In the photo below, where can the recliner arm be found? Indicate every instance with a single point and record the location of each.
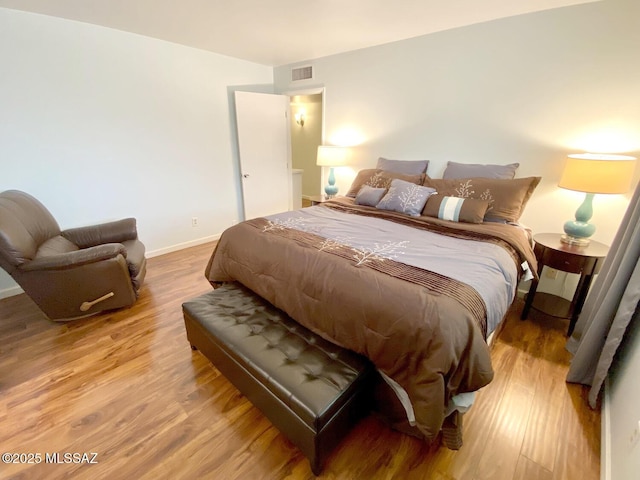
(111, 232)
(76, 258)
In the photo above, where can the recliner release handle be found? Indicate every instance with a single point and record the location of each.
(87, 305)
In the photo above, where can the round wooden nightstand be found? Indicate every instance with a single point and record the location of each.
(586, 261)
(318, 199)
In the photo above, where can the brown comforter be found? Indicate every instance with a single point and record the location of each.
(426, 336)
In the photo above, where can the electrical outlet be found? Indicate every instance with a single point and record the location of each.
(551, 273)
(194, 221)
(635, 436)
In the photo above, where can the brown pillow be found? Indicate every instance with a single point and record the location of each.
(374, 177)
(507, 197)
(456, 209)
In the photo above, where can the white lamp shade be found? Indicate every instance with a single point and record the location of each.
(331, 156)
(598, 173)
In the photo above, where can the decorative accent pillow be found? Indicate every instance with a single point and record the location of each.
(507, 198)
(405, 197)
(456, 209)
(470, 170)
(379, 179)
(406, 167)
(370, 196)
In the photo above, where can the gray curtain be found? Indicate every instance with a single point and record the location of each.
(610, 307)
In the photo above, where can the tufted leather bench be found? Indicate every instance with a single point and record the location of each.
(312, 390)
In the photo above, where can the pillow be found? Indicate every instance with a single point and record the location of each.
(379, 179)
(456, 209)
(370, 195)
(469, 170)
(507, 198)
(405, 197)
(407, 167)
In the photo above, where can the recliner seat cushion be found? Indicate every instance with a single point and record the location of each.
(56, 246)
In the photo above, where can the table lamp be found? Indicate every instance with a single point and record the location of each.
(331, 156)
(593, 173)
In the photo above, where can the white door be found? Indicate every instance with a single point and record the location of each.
(263, 144)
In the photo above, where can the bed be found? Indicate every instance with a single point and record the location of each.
(416, 294)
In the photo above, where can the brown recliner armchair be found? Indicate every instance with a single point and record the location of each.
(71, 273)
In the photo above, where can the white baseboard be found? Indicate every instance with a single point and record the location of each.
(180, 246)
(16, 290)
(605, 435)
(10, 292)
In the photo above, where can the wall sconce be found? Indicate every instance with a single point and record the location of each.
(300, 118)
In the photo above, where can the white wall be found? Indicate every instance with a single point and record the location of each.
(527, 89)
(100, 124)
(624, 408)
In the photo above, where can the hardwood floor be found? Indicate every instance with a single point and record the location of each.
(126, 386)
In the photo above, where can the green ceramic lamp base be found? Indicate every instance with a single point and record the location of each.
(331, 190)
(578, 231)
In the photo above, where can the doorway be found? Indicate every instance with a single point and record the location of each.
(306, 120)
(263, 152)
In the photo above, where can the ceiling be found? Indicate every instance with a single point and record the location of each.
(279, 32)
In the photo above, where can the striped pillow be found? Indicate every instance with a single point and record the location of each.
(456, 209)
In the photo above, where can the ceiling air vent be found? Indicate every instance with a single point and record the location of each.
(302, 73)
